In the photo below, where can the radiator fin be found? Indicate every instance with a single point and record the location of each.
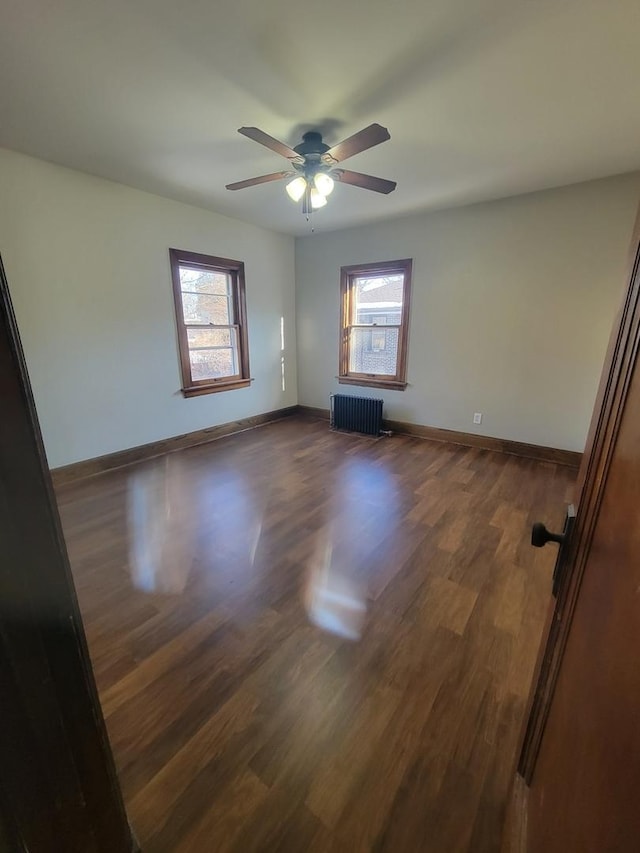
(358, 414)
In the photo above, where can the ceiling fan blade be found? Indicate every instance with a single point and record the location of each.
(263, 179)
(264, 139)
(366, 138)
(365, 182)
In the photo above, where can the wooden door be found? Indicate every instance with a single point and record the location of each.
(58, 786)
(581, 754)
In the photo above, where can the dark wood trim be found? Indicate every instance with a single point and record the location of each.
(570, 458)
(603, 433)
(59, 784)
(399, 381)
(514, 835)
(484, 442)
(191, 387)
(614, 364)
(389, 384)
(99, 464)
(315, 412)
(198, 390)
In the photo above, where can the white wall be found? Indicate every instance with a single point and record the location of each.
(88, 269)
(512, 306)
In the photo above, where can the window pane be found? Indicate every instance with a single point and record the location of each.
(204, 281)
(374, 351)
(199, 338)
(202, 308)
(212, 363)
(378, 339)
(376, 297)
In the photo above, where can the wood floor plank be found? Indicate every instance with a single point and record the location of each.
(450, 604)
(328, 643)
(226, 817)
(172, 654)
(335, 776)
(510, 611)
(183, 790)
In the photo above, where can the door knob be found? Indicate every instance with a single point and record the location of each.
(540, 535)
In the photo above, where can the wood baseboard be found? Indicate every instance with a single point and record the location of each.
(569, 458)
(313, 412)
(514, 832)
(135, 845)
(90, 467)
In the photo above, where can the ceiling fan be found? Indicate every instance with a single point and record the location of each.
(313, 165)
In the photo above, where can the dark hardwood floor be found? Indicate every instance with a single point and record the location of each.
(237, 723)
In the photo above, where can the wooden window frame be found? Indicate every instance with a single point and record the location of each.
(348, 274)
(191, 387)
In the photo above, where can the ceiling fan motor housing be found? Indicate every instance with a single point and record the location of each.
(312, 146)
(312, 149)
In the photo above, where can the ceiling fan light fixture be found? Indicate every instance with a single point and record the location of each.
(323, 183)
(311, 173)
(296, 188)
(317, 199)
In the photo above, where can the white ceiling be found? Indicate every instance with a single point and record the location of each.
(483, 98)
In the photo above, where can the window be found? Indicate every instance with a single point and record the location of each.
(375, 324)
(211, 314)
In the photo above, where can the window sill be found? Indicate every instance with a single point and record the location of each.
(391, 384)
(198, 390)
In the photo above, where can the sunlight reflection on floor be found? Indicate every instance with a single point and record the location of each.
(175, 517)
(334, 601)
(161, 526)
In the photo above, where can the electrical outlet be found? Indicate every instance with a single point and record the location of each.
(477, 417)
